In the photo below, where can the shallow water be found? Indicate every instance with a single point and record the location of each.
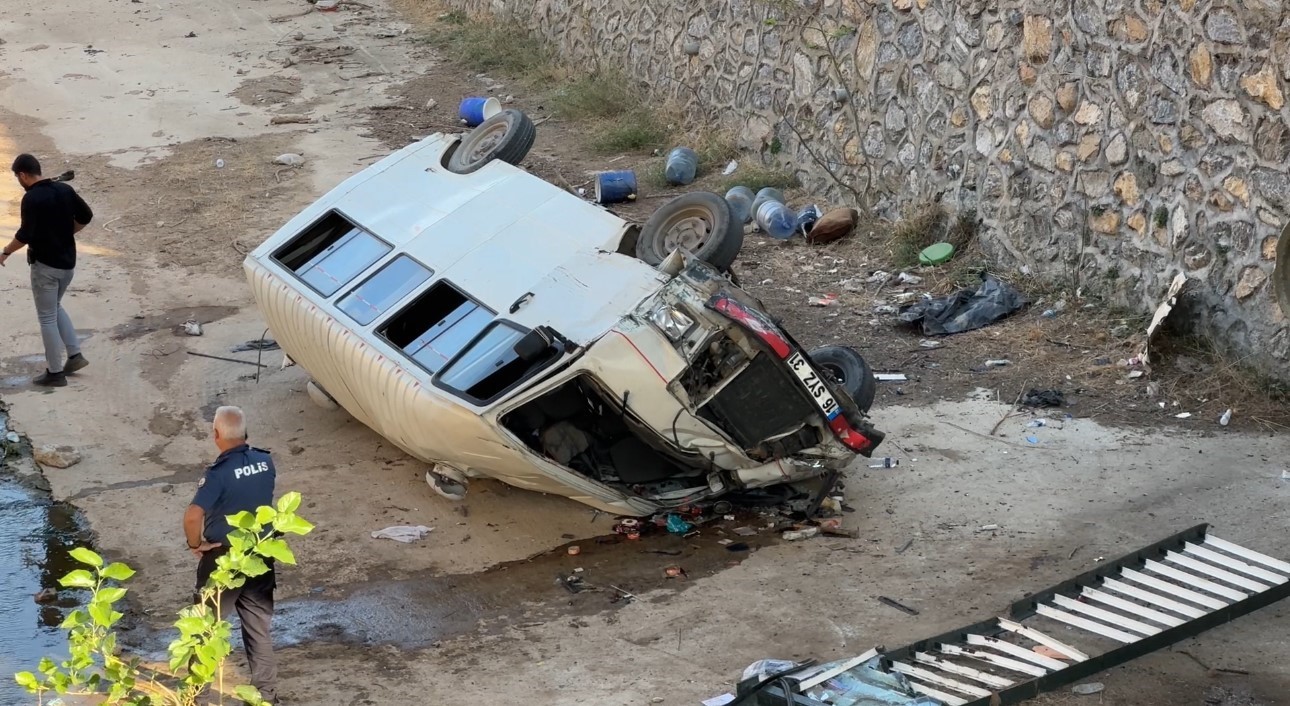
(35, 536)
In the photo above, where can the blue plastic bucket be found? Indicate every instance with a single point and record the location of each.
(616, 187)
(476, 109)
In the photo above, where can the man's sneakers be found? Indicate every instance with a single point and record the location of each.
(48, 379)
(74, 363)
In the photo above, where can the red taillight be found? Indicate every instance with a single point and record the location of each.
(853, 439)
(753, 321)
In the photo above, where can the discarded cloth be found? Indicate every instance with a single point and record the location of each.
(965, 309)
(403, 533)
(1043, 398)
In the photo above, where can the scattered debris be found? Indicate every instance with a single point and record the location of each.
(906, 546)
(290, 120)
(890, 377)
(190, 35)
(1135, 374)
(795, 535)
(46, 595)
(930, 344)
(403, 533)
(966, 309)
(832, 527)
(886, 462)
(834, 225)
(906, 278)
(1226, 418)
(998, 363)
(234, 360)
(193, 327)
(289, 159)
(748, 531)
(674, 572)
(936, 254)
(1036, 423)
(1183, 415)
(730, 168)
(1049, 652)
(988, 528)
(826, 300)
(897, 605)
(56, 456)
(677, 524)
(575, 550)
(573, 583)
(257, 344)
(1044, 398)
(621, 595)
(1088, 689)
(1162, 312)
(629, 527)
(1032, 439)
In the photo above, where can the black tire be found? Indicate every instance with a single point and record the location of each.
(700, 222)
(507, 136)
(847, 368)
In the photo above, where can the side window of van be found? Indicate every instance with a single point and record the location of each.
(436, 326)
(490, 365)
(384, 289)
(331, 253)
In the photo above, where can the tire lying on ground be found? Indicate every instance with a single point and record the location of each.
(848, 368)
(507, 136)
(700, 222)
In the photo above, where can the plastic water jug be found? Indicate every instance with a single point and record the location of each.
(740, 199)
(777, 220)
(682, 166)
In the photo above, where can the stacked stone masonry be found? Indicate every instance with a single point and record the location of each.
(1112, 143)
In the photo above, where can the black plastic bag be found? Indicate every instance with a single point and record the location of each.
(965, 309)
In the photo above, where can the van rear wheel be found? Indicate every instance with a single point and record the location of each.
(507, 136)
(847, 368)
(699, 222)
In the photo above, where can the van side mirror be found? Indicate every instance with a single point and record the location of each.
(535, 344)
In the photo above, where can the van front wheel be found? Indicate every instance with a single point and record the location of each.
(700, 222)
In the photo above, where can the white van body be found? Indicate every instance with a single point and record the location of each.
(405, 291)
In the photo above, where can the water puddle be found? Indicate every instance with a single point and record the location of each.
(428, 608)
(35, 535)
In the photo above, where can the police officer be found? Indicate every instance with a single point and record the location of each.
(242, 478)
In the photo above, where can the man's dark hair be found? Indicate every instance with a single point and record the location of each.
(26, 164)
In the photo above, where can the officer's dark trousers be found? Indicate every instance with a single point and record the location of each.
(254, 605)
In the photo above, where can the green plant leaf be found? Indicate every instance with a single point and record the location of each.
(61, 682)
(264, 515)
(85, 556)
(289, 503)
(190, 626)
(117, 571)
(243, 520)
(74, 619)
(47, 666)
(103, 614)
(31, 682)
(293, 524)
(79, 578)
(112, 594)
(276, 549)
(254, 566)
(249, 695)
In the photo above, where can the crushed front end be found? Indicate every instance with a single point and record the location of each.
(749, 379)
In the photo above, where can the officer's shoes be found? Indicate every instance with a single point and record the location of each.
(74, 363)
(48, 379)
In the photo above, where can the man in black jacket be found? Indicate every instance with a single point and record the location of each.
(52, 214)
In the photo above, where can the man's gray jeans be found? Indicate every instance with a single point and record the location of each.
(48, 284)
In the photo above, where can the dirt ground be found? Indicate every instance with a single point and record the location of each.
(173, 139)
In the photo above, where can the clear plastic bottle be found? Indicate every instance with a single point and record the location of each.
(682, 166)
(777, 220)
(741, 199)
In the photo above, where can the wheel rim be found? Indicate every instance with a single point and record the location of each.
(835, 373)
(487, 142)
(688, 228)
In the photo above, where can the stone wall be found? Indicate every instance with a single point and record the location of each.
(1112, 143)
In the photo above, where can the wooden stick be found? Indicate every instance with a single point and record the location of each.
(1011, 410)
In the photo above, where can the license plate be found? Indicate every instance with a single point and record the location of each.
(814, 385)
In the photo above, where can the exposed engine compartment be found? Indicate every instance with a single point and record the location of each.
(579, 426)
